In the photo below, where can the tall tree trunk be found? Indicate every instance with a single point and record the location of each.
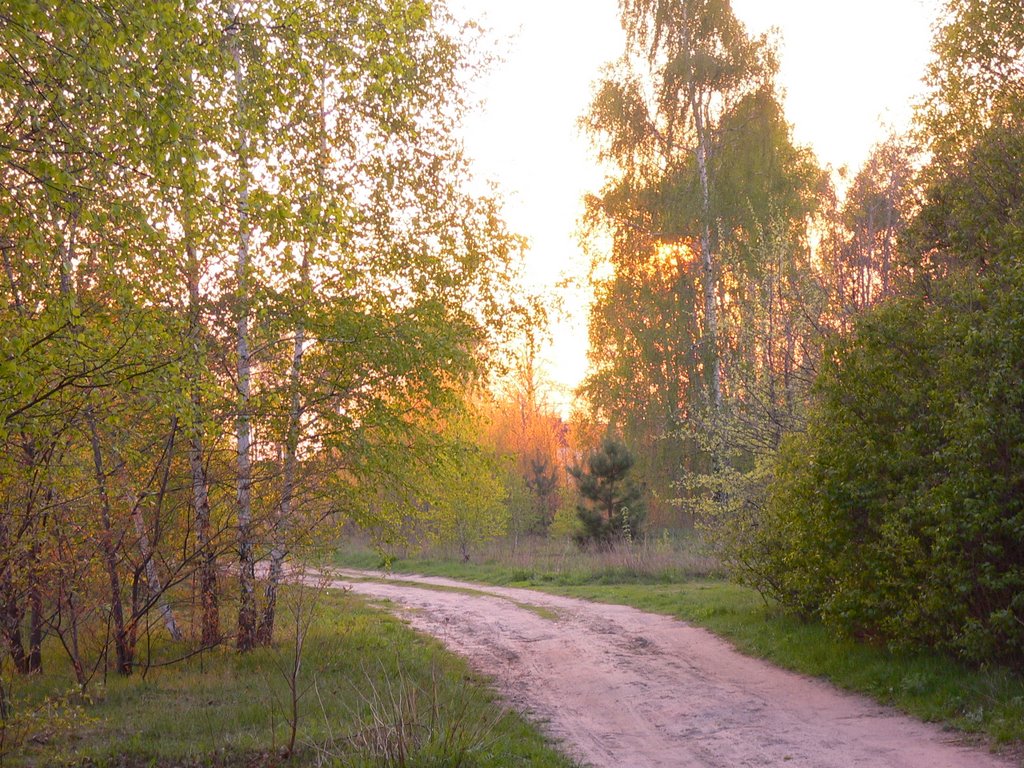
(154, 589)
(770, 364)
(788, 372)
(709, 343)
(208, 595)
(32, 528)
(35, 618)
(67, 256)
(709, 340)
(279, 551)
(887, 238)
(66, 606)
(868, 271)
(209, 631)
(11, 613)
(122, 646)
(246, 638)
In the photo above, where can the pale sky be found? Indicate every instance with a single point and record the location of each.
(849, 71)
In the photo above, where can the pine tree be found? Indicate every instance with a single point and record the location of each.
(612, 507)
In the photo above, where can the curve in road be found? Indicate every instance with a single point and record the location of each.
(620, 687)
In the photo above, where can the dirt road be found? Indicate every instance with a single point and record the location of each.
(622, 688)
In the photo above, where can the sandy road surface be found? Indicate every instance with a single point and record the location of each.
(626, 689)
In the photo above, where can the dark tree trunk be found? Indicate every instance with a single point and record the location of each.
(122, 641)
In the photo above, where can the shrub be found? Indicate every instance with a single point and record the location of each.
(899, 514)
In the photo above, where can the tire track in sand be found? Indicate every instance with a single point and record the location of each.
(620, 687)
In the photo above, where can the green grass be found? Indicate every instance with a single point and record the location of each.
(661, 559)
(988, 702)
(368, 679)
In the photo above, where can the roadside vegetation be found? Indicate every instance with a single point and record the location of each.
(368, 692)
(237, 309)
(826, 374)
(663, 558)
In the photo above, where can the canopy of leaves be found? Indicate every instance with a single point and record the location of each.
(144, 146)
(977, 72)
(706, 281)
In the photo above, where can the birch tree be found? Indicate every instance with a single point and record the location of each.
(696, 333)
(702, 62)
(278, 185)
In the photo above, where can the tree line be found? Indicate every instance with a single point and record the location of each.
(246, 292)
(823, 371)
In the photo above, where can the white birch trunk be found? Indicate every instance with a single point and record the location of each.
(243, 427)
(293, 433)
(709, 342)
(283, 523)
(710, 281)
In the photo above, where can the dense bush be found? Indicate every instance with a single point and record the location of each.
(899, 514)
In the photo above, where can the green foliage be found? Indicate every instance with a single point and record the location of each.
(448, 489)
(707, 197)
(215, 219)
(542, 480)
(520, 501)
(468, 497)
(899, 514)
(974, 73)
(612, 507)
(532, 500)
(566, 523)
(522, 426)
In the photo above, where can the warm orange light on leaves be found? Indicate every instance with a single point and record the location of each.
(670, 256)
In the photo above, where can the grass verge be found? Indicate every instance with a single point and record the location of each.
(372, 693)
(988, 702)
(657, 560)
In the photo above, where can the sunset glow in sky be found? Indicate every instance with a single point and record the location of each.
(849, 73)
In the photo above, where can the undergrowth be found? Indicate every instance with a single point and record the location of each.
(663, 558)
(370, 694)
